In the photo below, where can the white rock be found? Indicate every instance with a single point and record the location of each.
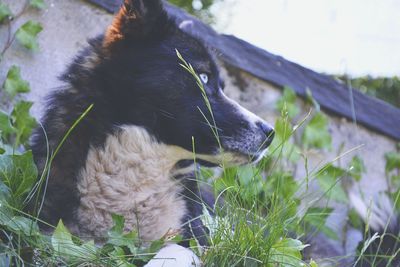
(174, 255)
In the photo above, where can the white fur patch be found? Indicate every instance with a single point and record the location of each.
(130, 175)
(245, 113)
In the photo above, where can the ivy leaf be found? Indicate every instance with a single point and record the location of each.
(281, 142)
(22, 121)
(27, 35)
(39, 4)
(117, 237)
(287, 103)
(316, 133)
(5, 12)
(282, 184)
(6, 128)
(5, 193)
(14, 83)
(357, 168)
(19, 224)
(392, 161)
(286, 252)
(250, 180)
(118, 229)
(328, 179)
(18, 173)
(64, 246)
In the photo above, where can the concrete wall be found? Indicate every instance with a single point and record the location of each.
(260, 97)
(348, 139)
(67, 24)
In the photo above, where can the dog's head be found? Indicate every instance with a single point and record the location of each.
(147, 85)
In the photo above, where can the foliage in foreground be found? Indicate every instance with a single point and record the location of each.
(199, 8)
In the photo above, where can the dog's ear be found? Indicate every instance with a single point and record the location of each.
(135, 20)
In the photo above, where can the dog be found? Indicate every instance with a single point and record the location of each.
(135, 152)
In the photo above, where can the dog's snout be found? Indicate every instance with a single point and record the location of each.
(268, 131)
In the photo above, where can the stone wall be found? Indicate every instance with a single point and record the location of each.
(66, 27)
(260, 97)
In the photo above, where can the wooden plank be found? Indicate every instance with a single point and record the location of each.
(330, 94)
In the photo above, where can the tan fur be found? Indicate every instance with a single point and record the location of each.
(131, 175)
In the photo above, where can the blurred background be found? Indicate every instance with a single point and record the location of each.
(357, 41)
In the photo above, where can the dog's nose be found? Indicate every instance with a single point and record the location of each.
(268, 131)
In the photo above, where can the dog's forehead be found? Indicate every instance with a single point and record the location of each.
(193, 48)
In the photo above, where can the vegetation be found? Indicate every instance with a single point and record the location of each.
(263, 220)
(385, 88)
(199, 8)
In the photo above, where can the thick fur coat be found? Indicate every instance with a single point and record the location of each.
(133, 153)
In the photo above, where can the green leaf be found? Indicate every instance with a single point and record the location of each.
(156, 245)
(5, 12)
(27, 35)
(282, 184)
(39, 4)
(250, 180)
(22, 122)
(121, 260)
(118, 227)
(287, 252)
(283, 130)
(355, 219)
(316, 133)
(392, 161)
(5, 211)
(6, 128)
(5, 193)
(313, 263)
(23, 225)
(117, 237)
(64, 246)
(311, 100)
(18, 173)
(329, 180)
(14, 83)
(287, 103)
(357, 168)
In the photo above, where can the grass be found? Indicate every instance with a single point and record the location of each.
(262, 220)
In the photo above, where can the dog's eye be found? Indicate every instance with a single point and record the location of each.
(204, 77)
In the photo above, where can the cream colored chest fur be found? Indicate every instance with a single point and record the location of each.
(131, 175)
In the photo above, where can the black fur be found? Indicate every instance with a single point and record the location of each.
(132, 76)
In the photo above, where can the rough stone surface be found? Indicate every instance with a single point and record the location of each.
(67, 26)
(348, 140)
